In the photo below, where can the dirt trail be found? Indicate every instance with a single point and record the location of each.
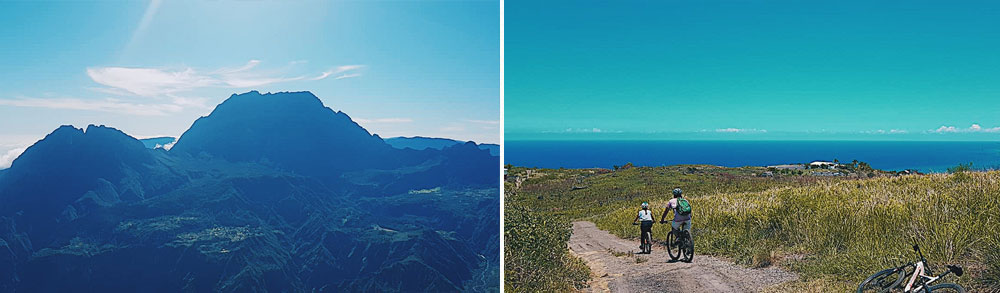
(622, 273)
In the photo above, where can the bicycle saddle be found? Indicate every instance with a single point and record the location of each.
(957, 270)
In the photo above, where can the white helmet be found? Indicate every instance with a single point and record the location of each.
(645, 205)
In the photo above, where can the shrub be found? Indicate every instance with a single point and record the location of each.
(961, 168)
(535, 256)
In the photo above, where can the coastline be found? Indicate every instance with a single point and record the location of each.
(923, 156)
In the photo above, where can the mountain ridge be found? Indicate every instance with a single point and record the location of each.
(423, 142)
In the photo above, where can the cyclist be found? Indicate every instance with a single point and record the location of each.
(682, 212)
(646, 216)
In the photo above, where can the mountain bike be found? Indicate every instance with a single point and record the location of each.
(645, 242)
(891, 280)
(680, 245)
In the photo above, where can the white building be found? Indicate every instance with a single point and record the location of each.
(823, 164)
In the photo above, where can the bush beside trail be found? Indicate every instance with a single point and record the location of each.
(536, 258)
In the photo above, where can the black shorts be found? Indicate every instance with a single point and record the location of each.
(646, 226)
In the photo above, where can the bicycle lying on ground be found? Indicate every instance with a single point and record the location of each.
(680, 245)
(645, 242)
(891, 280)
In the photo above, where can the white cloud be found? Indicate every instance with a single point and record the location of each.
(250, 65)
(883, 131)
(187, 102)
(944, 129)
(160, 91)
(974, 128)
(340, 69)
(166, 146)
(348, 68)
(106, 105)
(384, 120)
(150, 81)
(323, 75)
(7, 158)
(343, 76)
(582, 130)
(153, 82)
(740, 130)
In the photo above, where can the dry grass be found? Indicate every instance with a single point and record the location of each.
(851, 229)
(834, 232)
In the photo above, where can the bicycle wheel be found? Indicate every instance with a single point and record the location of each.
(947, 287)
(673, 249)
(883, 281)
(649, 243)
(688, 247)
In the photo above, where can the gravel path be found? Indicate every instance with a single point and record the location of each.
(622, 273)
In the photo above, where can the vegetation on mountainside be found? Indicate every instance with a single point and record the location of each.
(833, 231)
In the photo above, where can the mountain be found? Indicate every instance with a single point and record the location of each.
(422, 143)
(290, 130)
(96, 166)
(270, 192)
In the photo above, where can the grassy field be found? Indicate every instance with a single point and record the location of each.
(833, 231)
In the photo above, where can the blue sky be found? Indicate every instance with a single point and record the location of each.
(854, 70)
(399, 68)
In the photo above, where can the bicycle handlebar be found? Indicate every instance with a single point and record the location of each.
(921, 254)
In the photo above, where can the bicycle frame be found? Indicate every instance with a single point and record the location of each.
(919, 272)
(679, 230)
(643, 239)
(680, 233)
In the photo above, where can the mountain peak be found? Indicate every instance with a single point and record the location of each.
(68, 144)
(303, 99)
(66, 130)
(291, 129)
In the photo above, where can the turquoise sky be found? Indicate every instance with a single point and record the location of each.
(864, 70)
(151, 68)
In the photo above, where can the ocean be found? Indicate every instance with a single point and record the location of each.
(925, 156)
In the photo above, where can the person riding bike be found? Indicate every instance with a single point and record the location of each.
(646, 216)
(682, 212)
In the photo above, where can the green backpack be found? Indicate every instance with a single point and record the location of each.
(683, 207)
